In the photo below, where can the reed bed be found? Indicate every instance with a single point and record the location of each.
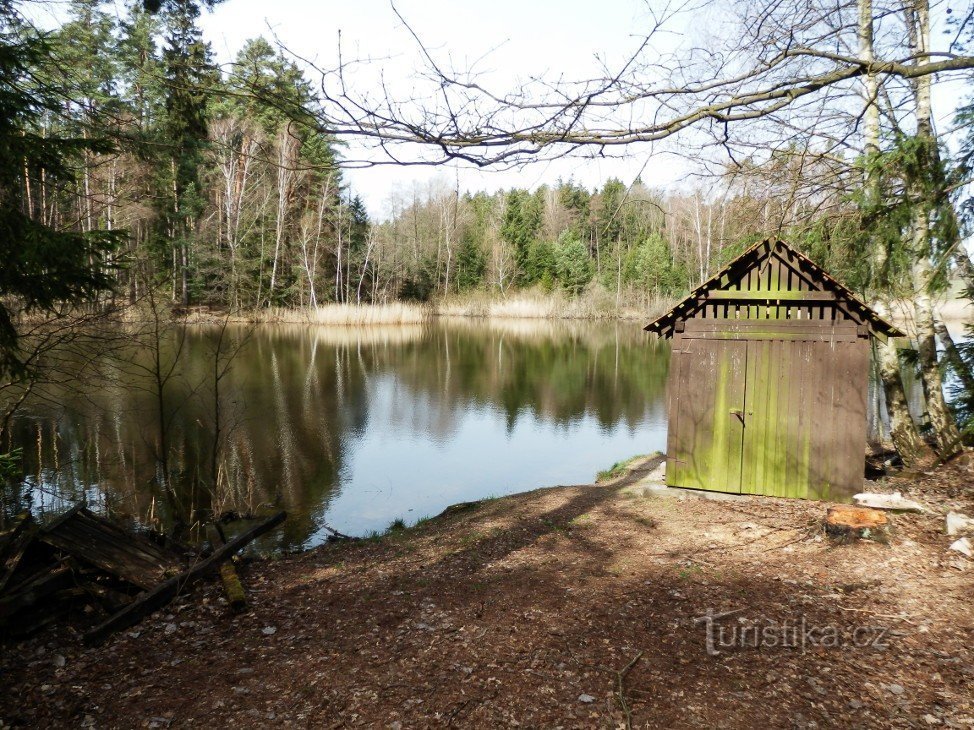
(349, 315)
(592, 304)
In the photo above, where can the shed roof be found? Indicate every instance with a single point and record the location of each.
(753, 258)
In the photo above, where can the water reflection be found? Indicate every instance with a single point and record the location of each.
(356, 427)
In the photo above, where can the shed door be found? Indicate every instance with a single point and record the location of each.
(782, 403)
(805, 417)
(705, 445)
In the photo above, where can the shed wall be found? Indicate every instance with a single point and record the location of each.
(768, 407)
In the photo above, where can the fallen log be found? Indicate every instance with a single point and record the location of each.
(162, 594)
(228, 574)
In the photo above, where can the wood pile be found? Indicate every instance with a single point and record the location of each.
(83, 564)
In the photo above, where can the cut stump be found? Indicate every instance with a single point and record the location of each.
(846, 521)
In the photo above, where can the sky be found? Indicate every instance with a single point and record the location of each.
(508, 41)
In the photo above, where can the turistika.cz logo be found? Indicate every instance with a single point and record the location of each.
(797, 634)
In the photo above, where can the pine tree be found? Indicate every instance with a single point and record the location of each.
(43, 267)
(189, 79)
(572, 264)
(522, 221)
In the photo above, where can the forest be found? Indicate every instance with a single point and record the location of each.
(230, 194)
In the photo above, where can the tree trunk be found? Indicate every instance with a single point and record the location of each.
(913, 450)
(945, 428)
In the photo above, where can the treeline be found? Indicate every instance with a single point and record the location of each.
(634, 242)
(224, 191)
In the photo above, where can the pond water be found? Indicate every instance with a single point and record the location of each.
(350, 427)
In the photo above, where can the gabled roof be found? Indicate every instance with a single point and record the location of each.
(816, 278)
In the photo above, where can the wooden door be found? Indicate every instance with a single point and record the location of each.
(783, 401)
(705, 443)
(804, 432)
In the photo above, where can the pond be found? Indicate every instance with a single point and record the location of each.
(349, 427)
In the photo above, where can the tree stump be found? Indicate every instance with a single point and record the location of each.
(847, 522)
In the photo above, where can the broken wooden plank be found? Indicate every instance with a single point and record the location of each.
(228, 574)
(32, 590)
(64, 516)
(15, 548)
(167, 591)
(8, 537)
(101, 543)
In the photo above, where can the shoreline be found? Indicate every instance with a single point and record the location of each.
(956, 314)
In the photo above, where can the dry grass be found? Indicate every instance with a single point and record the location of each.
(594, 303)
(348, 315)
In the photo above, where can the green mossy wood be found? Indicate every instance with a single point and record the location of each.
(768, 379)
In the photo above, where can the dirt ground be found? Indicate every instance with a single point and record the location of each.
(563, 607)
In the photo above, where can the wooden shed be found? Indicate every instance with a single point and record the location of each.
(768, 379)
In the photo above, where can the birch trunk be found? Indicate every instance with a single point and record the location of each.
(913, 450)
(945, 429)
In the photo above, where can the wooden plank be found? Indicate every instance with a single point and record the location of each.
(97, 541)
(65, 516)
(850, 393)
(822, 435)
(34, 589)
(705, 451)
(764, 295)
(687, 403)
(779, 480)
(805, 421)
(785, 435)
(791, 442)
(138, 545)
(15, 544)
(162, 594)
(757, 414)
(674, 443)
(728, 432)
(773, 335)
(760, 325)
(107, 553)
(10, 536)
(776, 286)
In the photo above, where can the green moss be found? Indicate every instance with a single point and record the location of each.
(619, 469)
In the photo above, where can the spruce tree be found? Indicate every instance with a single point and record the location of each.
(189, 78)
(44, 266)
